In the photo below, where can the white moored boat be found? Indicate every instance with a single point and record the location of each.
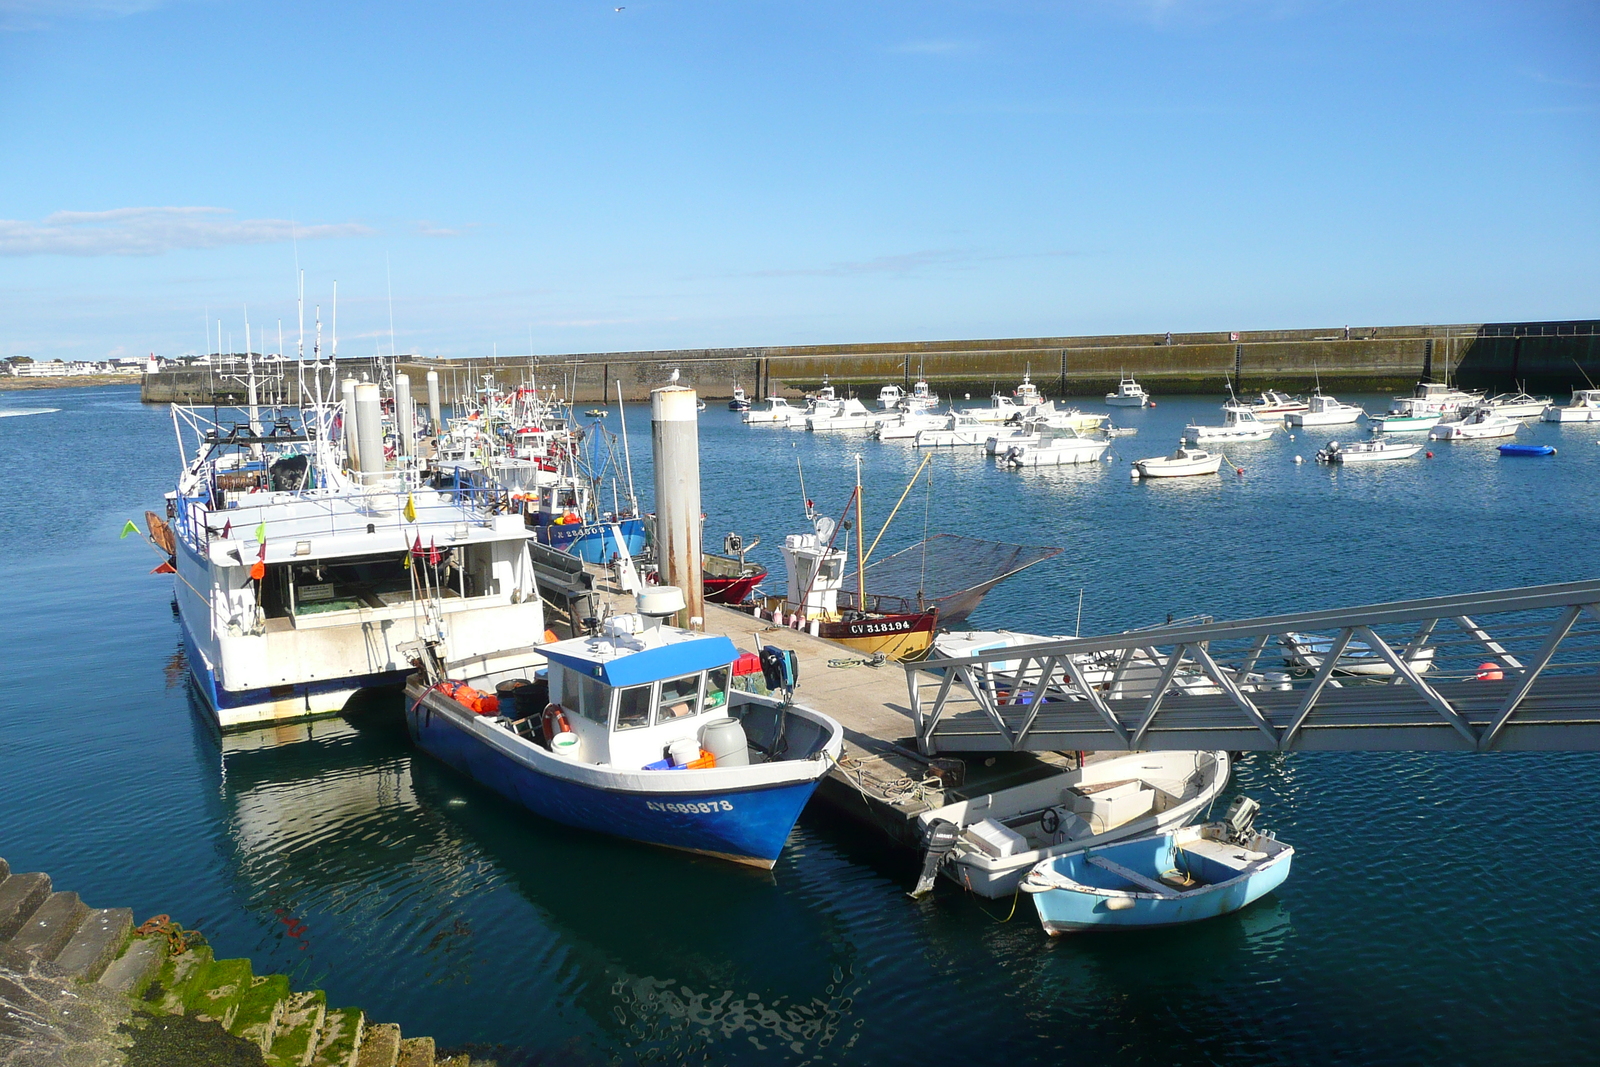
(889, 398)
(1583, 407)
(963, 430)
(908, 424)
(1518, 405)
(1427, 405)
(1310, 651)
(1057, 451)
(1479, 423)
(778, 412)
(1325, 411)
(1239, 424)
(998, 837)
(1005, 439)
(1275, 403)
(1375, 451)
(1182, 463)
(849, 414)
(1128, 394)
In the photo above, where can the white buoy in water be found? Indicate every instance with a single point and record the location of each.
(1299, 459)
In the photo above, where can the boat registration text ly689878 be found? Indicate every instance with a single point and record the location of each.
(703, 808)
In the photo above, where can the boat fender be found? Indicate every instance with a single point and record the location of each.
(553, 722)
(1119, 903)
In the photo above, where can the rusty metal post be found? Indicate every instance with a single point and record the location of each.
(675, 436)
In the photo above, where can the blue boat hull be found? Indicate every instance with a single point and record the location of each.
(746, 826)
(1064, 911)
(1527, 450)
(593, 542)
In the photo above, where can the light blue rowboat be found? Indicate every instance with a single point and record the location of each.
(1165, 879)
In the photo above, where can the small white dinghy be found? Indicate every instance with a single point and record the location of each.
(1182, 463)
(1374, 451)
(1310, 651)
(1166, 879)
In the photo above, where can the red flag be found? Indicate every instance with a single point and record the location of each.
(416, 547)
(227, 528)
(262, 555)
(434, 555)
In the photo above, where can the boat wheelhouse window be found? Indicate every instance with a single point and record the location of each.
(587, 696)
(633, 707)
(716, 688)
(678, 698)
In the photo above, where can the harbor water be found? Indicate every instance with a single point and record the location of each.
(1440, 908)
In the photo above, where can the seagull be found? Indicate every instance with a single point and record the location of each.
(619, 9)
(674, 369)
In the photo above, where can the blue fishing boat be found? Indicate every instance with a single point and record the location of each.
(1164, 879)
(1527, 450)
(561, 517)
(636, 732)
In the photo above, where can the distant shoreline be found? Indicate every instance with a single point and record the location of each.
(18, 384)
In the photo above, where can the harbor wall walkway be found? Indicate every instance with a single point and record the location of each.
(1548, 356)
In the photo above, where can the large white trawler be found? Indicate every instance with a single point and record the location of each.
(312, 554)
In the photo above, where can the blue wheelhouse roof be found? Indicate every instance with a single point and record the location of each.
(642, 667)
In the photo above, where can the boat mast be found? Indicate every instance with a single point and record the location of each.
(627, 456)
(861, 556)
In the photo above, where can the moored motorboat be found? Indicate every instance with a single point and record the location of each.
(1475, 424)
(1128, 394)
(1583, 407)
(1182, 463)
(643, 737)
(906, 425)
(1519, 405)
(1239, 424)
(740, 401)
(991, 841)
(1310, 651)
(962, 430)
(1003, 440)
(1428, 403)
(1374, 451)
(1527, 450)
(1274, 403)
(778, 412)
(1164, 879)
(730, 579)
(1325, 411)
(1057, 451)
(850, 414)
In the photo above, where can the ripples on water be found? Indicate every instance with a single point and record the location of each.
(1438, 909)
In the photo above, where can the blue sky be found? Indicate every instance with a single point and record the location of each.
(700, 174)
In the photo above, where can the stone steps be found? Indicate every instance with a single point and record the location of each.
(98, 945)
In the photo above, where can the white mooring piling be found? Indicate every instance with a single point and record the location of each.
(435, 421)
(405, 420)
(352, 446)
(675, 434)
(369, 433)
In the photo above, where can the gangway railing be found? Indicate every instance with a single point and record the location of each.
(1513, 669)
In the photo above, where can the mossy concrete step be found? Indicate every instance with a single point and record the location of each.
(95, 943)
(298, 1030)
(176, 975)
(218, 991)
(49, 928)
(132, 972)
(20, 897)
(416, 1052)
(260, 1010)
(339, 1042)
(380, 1045)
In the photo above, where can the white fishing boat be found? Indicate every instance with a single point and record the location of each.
(1057, 451)
(988, 843)
(889, 398)
(1309, 652)
(1272, 402)
(309, 562)
(1583, 407)
(1474, 424)
(740, 401)
(1519, 405)
(1024, 402)
(908, 424)
(1181, 464)
(1128, 394)
(1239, 424)
(922, 399)
(778, 412)
(1325, 411)
(1164, 879)
(1374, 451)
(849, 414)
(962, 430)
(1427, 405)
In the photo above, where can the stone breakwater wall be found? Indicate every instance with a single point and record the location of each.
(1550, 356)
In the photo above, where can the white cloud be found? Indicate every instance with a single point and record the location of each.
(37, 14)
(150, 231)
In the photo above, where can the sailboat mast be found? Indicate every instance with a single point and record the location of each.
(861, 556)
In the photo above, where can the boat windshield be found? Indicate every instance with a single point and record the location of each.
(678, 698)
(633, 707)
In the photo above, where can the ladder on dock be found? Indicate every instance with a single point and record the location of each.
(1513, 669)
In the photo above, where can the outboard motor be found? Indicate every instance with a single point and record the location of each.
(941, 839)
(1240, 818)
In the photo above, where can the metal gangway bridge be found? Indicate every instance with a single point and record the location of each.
(1515, 669)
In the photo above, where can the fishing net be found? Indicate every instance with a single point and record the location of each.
(948, 571)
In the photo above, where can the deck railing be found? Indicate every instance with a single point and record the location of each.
(1509, 669)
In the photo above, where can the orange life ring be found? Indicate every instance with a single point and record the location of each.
(553, 722)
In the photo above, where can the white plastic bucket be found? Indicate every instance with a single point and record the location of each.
(565, 744)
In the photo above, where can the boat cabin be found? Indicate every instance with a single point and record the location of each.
(889, 397)
(639, 691)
